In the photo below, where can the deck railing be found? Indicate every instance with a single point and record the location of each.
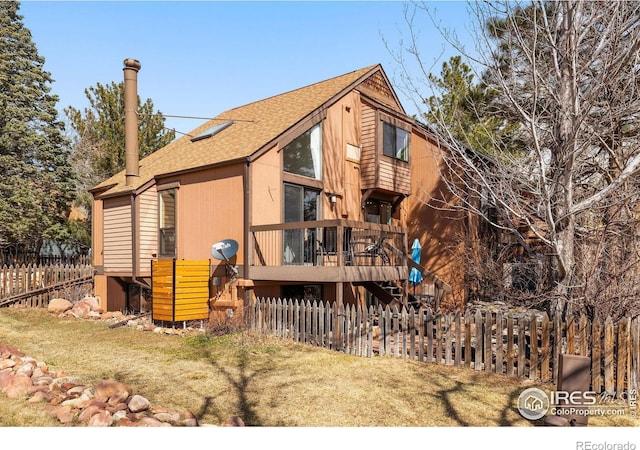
(328, 243)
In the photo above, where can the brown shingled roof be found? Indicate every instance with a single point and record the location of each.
(255, 125)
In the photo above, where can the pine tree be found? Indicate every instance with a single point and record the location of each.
(36, 185)
(99, 138)
(100, 132)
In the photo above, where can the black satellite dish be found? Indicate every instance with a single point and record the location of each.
(224, 250)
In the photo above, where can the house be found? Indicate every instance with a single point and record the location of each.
(317, 193)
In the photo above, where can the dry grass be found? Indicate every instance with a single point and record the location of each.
(266, 381)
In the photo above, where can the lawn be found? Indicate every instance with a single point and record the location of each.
(266, 381)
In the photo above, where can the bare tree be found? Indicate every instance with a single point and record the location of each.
(569, 73)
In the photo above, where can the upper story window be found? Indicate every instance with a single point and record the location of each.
(395, 141)
(303, 155)
(167, 222)
(378, 211)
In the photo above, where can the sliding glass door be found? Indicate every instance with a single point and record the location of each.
(301, 204)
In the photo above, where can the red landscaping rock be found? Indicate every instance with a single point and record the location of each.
(18, 386)
(81, 309)
(6, 363)
(87, 413)
(138, 403)
(59, 305)
(107, 388)
(5, 379)
(233, 421)
(64, 414)
(101, 419)
(109, 403)
(7, 351)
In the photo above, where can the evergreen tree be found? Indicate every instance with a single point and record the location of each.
(100, 130)
(99, 147)
(465, 110)
(99, 140)
(36, 186)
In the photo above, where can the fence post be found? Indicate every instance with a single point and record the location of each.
(383, 324)
(499, 343)
(596, 355)
(362, 329)
(458, 350)
(396, 331)
(623, 355)
(448, 340)
(329, 325)
(557, 343)
(488, 334)
(479, 341)
(421, 329)
(545, 373)
(429, 335)
(635, 356)
(609, 342)
(522, 346)
(370, 321)
(438, 350)
(533, 338)
(404, 324)
(468, 360)
(412, 333)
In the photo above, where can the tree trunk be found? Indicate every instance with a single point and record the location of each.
(562, 165)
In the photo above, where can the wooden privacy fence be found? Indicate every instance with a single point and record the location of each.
(34, 285)
(180, 289)
(524, 345)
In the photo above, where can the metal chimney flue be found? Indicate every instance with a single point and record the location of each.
(131, 68)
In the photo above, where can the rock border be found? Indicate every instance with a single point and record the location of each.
(109, 402)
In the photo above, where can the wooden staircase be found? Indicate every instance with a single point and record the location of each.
(394, 292)
(391, 293)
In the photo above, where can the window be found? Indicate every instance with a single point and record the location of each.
(210, 132)
(167, 222)
(395, 141)
(303, 292)
(378, 211)
(303, 155)
(301, 204)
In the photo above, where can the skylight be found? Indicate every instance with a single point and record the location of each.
(211, 131)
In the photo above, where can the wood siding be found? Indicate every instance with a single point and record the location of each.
(180, 290)
(341, 177)
(368, 159)
(266, 188)
(439, 230)
(210, 208)
(118, 250)
(97, 233)
(147, 230)
(394, 175)
(379, 171)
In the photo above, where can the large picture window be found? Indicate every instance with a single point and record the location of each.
(303, 155)
(167, 222)
(395, 142)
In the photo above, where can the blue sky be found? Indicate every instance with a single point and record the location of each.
(201, 58)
